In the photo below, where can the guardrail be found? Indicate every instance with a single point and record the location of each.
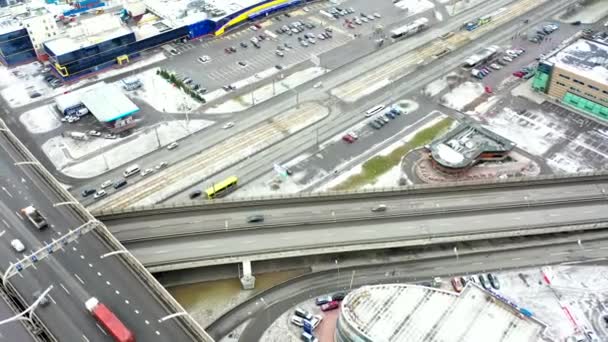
(147, 234)
(190, 325)
(299, 198)
(376, 244)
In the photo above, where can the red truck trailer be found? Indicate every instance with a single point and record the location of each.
(109, 321)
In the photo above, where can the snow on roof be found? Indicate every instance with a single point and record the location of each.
(586, 58)
(68, 100)
(88, 32)
(108, 103)
(400, 312)
(9, 24)
(461, 146)
(185, 12)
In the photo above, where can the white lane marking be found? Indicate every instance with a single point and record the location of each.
(248, 242)
(84, 338)
(77, 277)
(604, 247)
(5, 223)
(51, 298)
(161, 252)
(81, 256)
(117, 292)
(136, 311)
(8, 193)
(554, 215)
(126, 301)
(64, 289)
(157, 332)
(515, 259)
(108, 283)
(147, 322)
(100, 328)
(19, 215)
(91, 265)
(99, 274)
(477, 263)
(560, 253)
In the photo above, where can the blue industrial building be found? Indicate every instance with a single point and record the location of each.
(16, 47)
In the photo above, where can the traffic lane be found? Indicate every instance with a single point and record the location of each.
(13, 331)
(116, 286)
(156, 252)
(65, 316)
(417, 271)
(217, 218)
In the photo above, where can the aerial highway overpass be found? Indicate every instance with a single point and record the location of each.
(170, 238)
(76, 270)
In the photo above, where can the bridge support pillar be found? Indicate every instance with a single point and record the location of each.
(247, 280)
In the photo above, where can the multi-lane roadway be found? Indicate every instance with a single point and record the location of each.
(326, 224)
(77, 272)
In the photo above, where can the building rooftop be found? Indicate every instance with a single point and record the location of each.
(400, 312)
(584, 57)
(108, 103)
(460, 147)
(185, 12)
(88, 32)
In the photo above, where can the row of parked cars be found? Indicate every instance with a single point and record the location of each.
(509, 56)
(542, 32)
(383, 119)
(488, 281)
(325, 303)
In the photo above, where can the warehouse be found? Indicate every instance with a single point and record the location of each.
(577, 76)
(401, 312)
(111, 107)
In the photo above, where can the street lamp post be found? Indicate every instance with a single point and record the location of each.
(27, 314)
(122, 251)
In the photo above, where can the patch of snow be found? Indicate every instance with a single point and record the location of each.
(462, 95)
(457, 7)
(483, 108)
(162, 95)
(435, 87)
(525, 90)
(412, 7)
(438, 16)
(267, 91)
(19, 82)
(563, 163)
(65, 152)
(40, 120)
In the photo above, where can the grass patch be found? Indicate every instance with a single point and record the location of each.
(378, 165)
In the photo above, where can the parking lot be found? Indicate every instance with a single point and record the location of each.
(224, 67)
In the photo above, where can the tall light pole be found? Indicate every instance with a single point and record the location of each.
(26, 315)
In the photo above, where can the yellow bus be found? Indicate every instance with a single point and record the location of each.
(222, 188)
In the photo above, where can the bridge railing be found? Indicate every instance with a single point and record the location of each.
(189, 324)
(312, 197)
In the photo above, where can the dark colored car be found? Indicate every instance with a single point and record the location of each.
(243, 44)
(374, 125)
(463, 281)
(483, 282)
(194, 194)
(338, 296)
(120, 183)
(88, 192)
(494, 281)
(255, 218)
(576, 23)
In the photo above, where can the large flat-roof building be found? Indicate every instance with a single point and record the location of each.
(577, 76)
(466, 145)
(401, 312)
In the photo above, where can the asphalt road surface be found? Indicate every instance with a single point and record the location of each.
(76, 273)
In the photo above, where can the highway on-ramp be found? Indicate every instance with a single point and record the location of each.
(76, 272)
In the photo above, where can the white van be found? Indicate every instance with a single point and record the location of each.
(374, 110)
(131, 170)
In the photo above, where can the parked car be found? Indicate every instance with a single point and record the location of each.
(456, 284)
(330, 306)
(94, 133)
(172, 146)
(299, 312)
(106, 184)
(228, 125)
(494, 281)
(279, 53)
(162, 165)
(242, 64)
(146, 172)
(194, 194)
(297, 321)
(87, 192)
(323, 300)
(338, 296)
(204, 59)
(519, 74)
(348, 139)
(484, 283)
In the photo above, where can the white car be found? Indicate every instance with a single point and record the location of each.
(94, 133)
(17, 245)
(146, 172)
(316, 319)
(100, 194)
(162, 165)
(353, 134)
(106, 184)
(318, 85)
(377, 15)
(204, 59)
(495, 66)
(172, 146)
(228, 125)
(253, 28)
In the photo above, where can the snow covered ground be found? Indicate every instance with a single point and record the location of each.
(40, 120)
(266, 92)
(462, 95)
(162, 95)
(85, 159)
(19, 82)
(456, 7)
(414, 6)
(591, 13)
